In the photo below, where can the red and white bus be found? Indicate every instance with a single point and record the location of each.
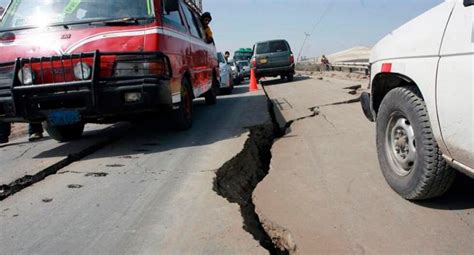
(71, 62)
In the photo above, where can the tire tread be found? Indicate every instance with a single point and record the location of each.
(437, 176)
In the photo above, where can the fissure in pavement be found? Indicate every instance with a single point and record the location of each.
(8, 190)
(237, 179)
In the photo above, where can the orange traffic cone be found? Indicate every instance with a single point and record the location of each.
(253, 81)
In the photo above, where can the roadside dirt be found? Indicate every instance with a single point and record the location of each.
(18, 130)
(355, 76)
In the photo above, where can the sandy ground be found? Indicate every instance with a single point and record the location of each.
(18, 130)
(355, 76)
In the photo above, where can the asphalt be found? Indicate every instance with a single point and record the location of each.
(145, 189)
(150, 192)
(325, 193)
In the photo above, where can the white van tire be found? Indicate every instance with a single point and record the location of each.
(408, 153)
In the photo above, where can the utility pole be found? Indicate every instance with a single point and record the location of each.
(307, 35)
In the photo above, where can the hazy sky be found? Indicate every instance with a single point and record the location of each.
(343, 23)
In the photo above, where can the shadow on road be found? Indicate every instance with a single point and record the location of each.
(230, 118)
(460, 197)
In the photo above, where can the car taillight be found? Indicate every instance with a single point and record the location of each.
(7, 37)
(292, 58)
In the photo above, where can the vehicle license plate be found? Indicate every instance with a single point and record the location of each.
(61, 118)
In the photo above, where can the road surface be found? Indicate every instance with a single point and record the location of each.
(325, 192)
(149, 192)
(145, 189)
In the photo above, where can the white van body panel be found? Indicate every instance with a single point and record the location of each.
(420, 37)
(436, 51)
(455, 87)
(413, 51)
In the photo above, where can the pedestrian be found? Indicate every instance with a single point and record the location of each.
(227, 56)
(324, 63)
(206, 19)
(35, 131)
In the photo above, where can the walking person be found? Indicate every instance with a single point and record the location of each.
(35, 131)
(324, 64)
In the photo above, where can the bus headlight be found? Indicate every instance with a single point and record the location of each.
(82, 71)
(26, 76)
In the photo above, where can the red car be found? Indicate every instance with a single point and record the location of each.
(71, 62)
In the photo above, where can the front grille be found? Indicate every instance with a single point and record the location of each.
(56, 69)
(55, 85)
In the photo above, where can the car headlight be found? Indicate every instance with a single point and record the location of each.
(82, 71)
(26, 76)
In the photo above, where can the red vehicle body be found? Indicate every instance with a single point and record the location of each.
(103, 69)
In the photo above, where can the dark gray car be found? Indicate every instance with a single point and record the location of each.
(273, 58)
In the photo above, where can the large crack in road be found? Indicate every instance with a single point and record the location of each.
(237, 179)
(7, 190)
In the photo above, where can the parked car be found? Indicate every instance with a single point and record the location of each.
(422, 101)
(244, 67)
(273, 58)
(103, 61)
(226, 81)
(236, 77)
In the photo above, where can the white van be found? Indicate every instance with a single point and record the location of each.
(422, 92)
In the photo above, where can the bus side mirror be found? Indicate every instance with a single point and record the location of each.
(468, 3)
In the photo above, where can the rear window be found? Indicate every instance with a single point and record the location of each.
(271, 47)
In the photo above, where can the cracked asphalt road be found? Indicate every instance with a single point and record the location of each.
(148, 193)
(151, 191)
(325, 193)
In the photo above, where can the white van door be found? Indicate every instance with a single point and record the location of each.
(455, 92)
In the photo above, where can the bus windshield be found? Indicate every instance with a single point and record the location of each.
(43, 13)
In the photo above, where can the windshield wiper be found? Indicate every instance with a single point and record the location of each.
(108, 22)
(121, 21)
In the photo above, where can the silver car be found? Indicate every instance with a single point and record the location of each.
(226, 84)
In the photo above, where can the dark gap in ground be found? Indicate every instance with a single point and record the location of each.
(28, 180)
(237, 179)
(351, 101)
(99, 174)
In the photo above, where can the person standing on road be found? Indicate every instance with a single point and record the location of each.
(206, 19)
(227, 56)
(35, 131)
(324, 63)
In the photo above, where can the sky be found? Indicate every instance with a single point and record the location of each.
(334, 25)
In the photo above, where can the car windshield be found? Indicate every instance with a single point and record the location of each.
(270, 47)
(43, 13)
(243, 63)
